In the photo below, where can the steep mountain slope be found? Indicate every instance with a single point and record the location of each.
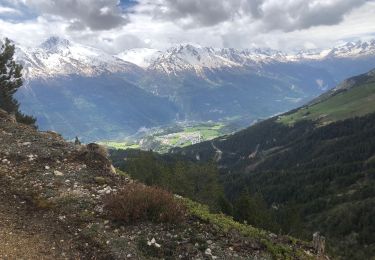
(62, 189)
(353, 97)
(59, 57)
(211, 84)
(142, 57)
(112, 107)
(317, 160)
(200, 84)
(64, 81)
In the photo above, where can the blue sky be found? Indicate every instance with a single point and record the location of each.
(19, 10)
(10, 12)
(115, 25)
(127, 3)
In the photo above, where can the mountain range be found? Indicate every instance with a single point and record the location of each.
(57, 56)
(121, 94)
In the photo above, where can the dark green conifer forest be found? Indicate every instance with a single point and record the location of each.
(10, 82)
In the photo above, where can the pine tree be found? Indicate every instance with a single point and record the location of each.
(10, 82)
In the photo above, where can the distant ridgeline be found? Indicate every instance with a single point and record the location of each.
(312, 169)
(80, 90)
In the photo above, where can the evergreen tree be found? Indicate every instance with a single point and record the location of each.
(225, 206)
(253, 209)
(10, 82)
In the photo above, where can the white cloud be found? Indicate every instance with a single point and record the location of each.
(31, 32)
(272, 14)
(9, 10)
(96, 15)
(294, 24)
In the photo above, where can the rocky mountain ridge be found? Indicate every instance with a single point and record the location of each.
(195, 57)
(57, 56)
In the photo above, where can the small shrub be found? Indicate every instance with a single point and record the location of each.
(93, 151)
(95, 156)
(98, 149)
(137, 202)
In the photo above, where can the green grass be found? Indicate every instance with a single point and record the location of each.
(119, 145)
(207, 131)
(358, 101)
(225, 224)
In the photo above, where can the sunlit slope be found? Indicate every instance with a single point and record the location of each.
(355, 97)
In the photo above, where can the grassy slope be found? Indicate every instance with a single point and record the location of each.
(354, 102)
(119, 145)
(285, 247)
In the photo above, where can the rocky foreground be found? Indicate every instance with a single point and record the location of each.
(51, 207)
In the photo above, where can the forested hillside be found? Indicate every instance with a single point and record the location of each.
(312, 169)
(316, 163)
(325, 174)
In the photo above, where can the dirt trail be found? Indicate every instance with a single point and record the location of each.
(219, 153)
(26, 234)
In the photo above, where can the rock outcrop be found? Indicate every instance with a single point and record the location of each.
(319, 243)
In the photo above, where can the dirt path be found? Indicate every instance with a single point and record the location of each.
(26, 234)
(219, 153)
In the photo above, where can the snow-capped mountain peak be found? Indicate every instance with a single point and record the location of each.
(58, 57)
(55, 44)
(354, 49)
(346, 50)
(190, 57)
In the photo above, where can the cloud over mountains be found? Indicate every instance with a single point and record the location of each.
(116, 25)
(283, 15)
(82, 14)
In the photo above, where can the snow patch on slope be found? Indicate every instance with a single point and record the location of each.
(59, 57)
(142, 57)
